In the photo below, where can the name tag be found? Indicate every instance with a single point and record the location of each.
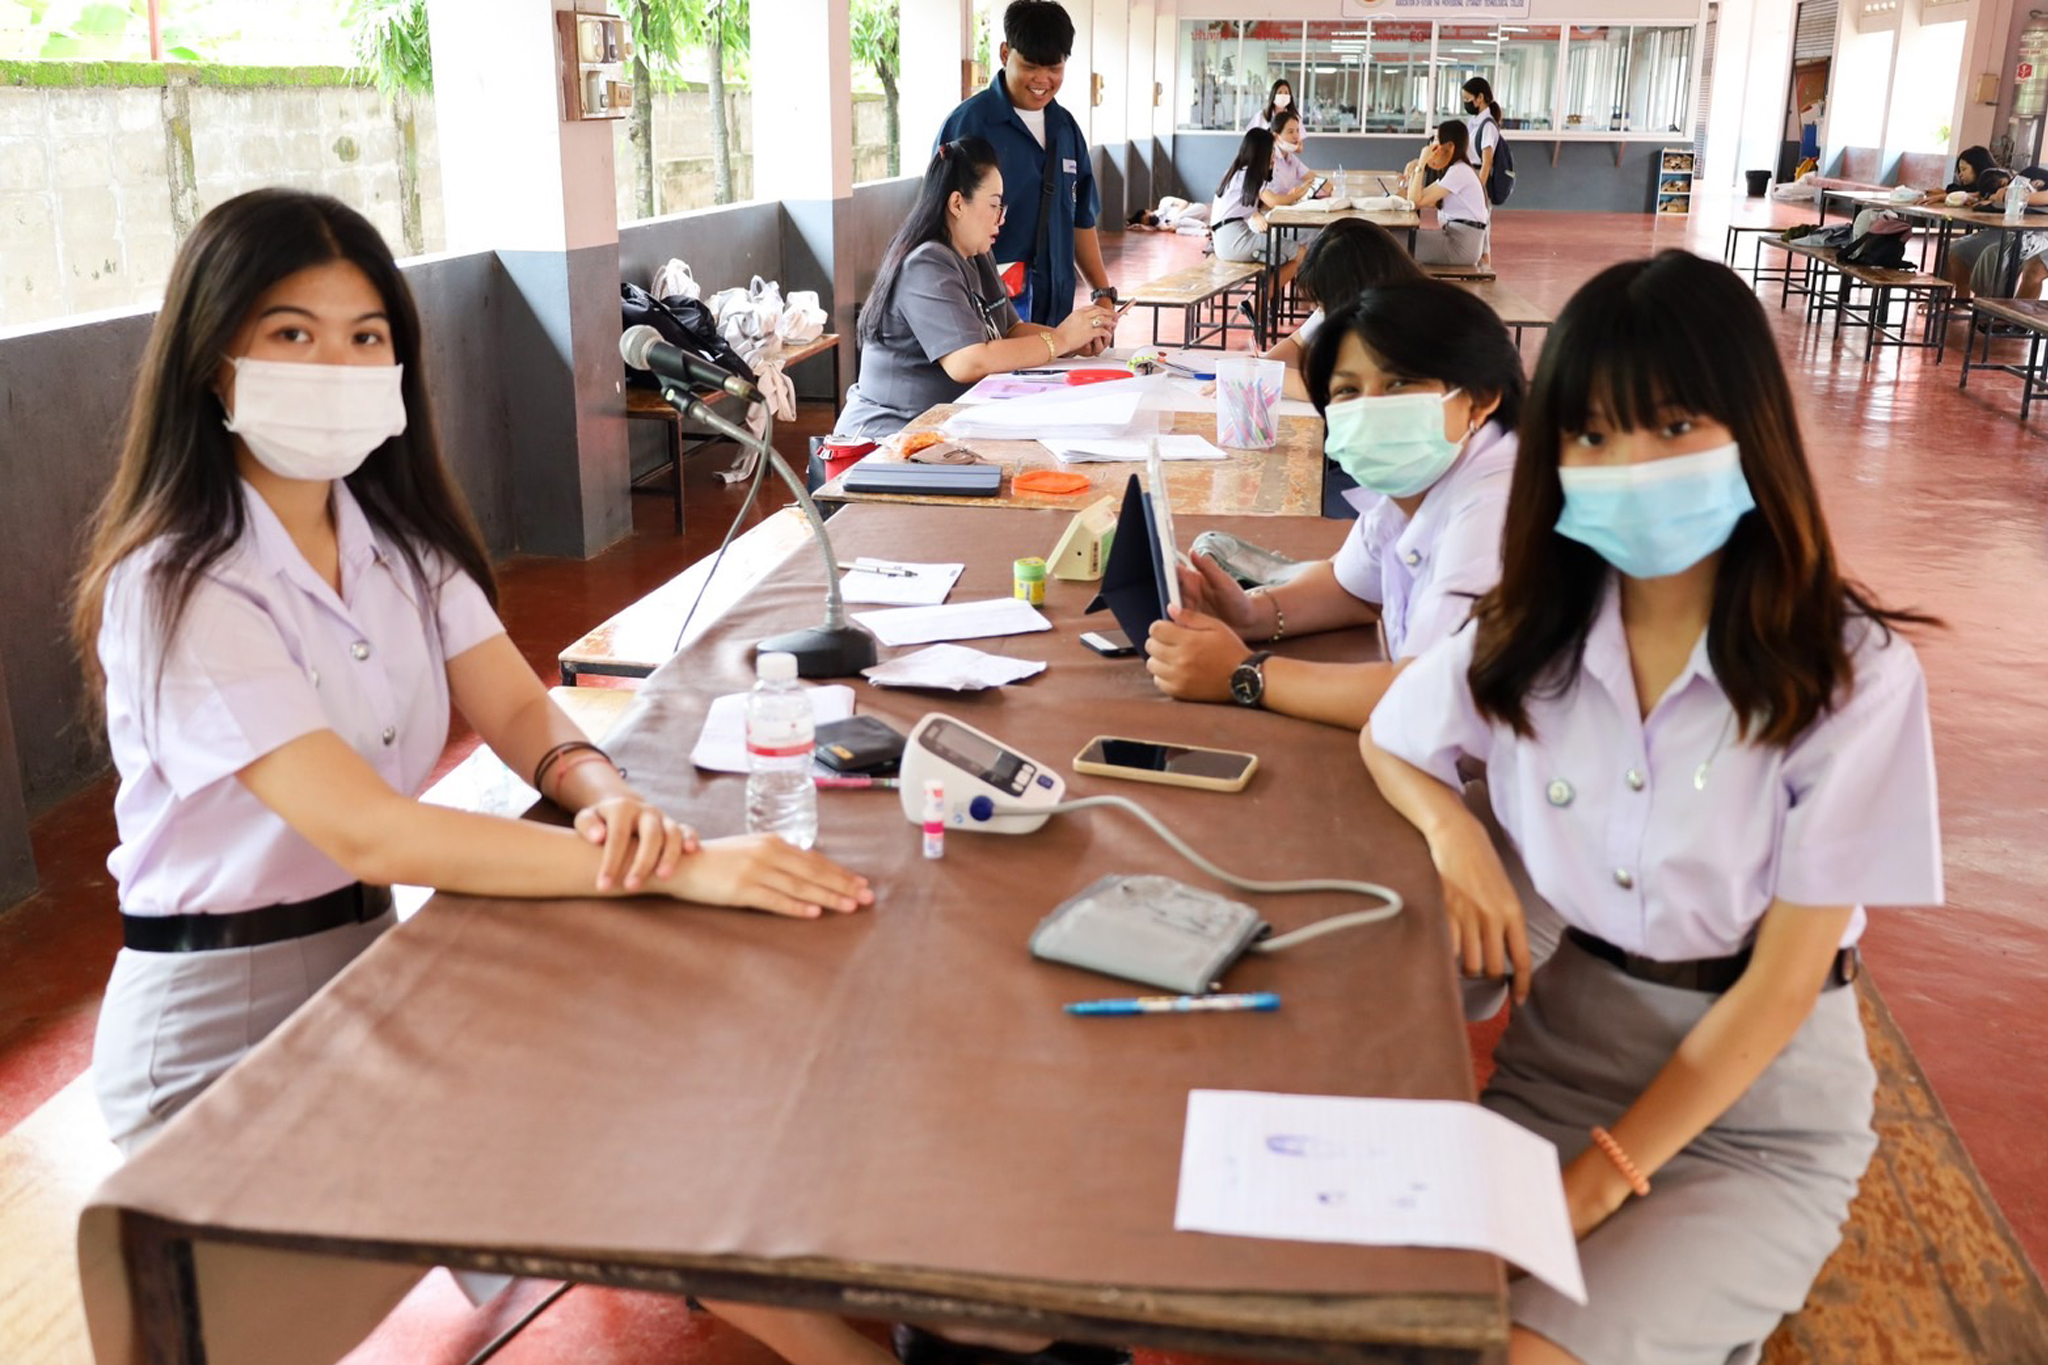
(1067, 163)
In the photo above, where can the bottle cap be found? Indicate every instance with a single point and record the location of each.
(775, 667)
(1029, 569)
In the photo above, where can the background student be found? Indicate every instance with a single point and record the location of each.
(1712, 750)
(1344, 260)
(1462, 213)
(1482, 127)
(1280, 97)
(1237, 222)
(1050, 230)
(937, 319)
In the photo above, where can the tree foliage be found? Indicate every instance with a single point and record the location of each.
(392, 49)
(876, 39)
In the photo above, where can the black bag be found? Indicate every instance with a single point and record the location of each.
(683, 322)
(1883, 247)
(1500, 183)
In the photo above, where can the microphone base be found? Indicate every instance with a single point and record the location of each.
(825, 651)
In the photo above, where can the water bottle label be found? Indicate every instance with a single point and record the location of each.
(785, 750)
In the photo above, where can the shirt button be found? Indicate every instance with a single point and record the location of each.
(1623, 878)
(1634, 780)
(390, 734)
(1559, 792)
(1412, 558)
(360, 650)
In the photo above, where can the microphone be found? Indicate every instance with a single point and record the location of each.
(642, 348)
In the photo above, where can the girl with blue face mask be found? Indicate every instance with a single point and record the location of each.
(1419, 388)
(1712, 750)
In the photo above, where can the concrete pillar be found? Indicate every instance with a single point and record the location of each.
(937, 42)
(539, 191)
(803, 149)
(1137, 105)
(1752, 72)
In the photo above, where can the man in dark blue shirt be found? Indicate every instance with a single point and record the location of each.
(1044, 159)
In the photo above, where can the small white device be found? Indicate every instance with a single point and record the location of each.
(979, 773)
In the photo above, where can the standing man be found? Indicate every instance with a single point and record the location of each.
(1048, 182)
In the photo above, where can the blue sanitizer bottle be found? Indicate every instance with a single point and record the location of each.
(781, 738)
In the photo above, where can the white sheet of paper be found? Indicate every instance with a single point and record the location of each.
(955, 621)
(1376, 1172)
(1079, 410)
(722, 745)
(951, 668)
(1133, 449)
(926, 585)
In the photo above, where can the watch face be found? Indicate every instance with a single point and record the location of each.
(1247, 684)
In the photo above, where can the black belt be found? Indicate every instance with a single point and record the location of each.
(1710, 974)
(352, 904)
(1462, 222)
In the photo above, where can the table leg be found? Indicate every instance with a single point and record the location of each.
(2035, 376)
(675, 459)
(166, 1292)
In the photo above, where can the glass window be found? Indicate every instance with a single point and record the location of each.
(1659, 81)
(1397, 79)
(1462, 52)
(1527, 84)
(1333, 87)
(1276, 49)
(1595, 59)
(1214, 90)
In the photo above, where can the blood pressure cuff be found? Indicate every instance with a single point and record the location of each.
(1149, 929)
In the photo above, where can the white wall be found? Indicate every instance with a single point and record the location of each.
(1752, 75)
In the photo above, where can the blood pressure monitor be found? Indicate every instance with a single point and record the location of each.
(979, 773)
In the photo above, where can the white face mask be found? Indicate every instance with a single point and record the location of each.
(1282, 100)
(315, 422)
(1290, 144)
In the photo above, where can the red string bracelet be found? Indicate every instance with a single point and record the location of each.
(1604, 1140)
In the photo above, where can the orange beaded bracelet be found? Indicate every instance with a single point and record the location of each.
(1604, 1140)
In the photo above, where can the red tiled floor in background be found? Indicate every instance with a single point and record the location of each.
(1937, 500)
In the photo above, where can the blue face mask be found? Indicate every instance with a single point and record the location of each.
(1394, 444)
(1656, 519)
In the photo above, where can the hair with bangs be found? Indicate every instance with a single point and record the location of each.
(1424, 329)
(1644, 342)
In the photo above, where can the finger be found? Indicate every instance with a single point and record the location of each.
(1471, 949)
(648, 850)
(676, 844)
(1215, 575)
(589, 823)
(618, 849)
(1518, 953)
(1494, 948)
(819, 879)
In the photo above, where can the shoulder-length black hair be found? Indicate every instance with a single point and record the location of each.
(1479, 86)
(1425, 329)
(958, 167)
(1255, 158)
(1454, 132)
(1282, 84)
(1978, 159)
(1349, 257)
(177, 480)
(1641, 343)
(1281, 118)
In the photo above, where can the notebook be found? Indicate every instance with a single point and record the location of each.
(941, 480)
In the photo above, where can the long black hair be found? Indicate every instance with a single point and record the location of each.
(1425, 329)
(1282, 84)
(1349, 257)
(1978, 159)
(1454, 132)
(959, 168)
(1639, 344)
(177, 481)
(1479, 86)
(1255, 158)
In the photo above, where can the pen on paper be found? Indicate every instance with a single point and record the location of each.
(885, 570)
(1261, 1001)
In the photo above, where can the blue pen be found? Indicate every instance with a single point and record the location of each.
(1262, 1001)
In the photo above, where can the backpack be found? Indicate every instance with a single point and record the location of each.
(1501, 183)
(683, 322)
(1883, 247)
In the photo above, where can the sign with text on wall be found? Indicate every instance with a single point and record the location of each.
(1436, 9)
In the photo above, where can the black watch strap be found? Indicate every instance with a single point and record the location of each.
(1248, 679)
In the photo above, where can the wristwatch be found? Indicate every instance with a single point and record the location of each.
(1098, 295)
(1248, 680)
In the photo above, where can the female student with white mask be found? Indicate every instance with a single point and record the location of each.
(1237, 222)
(1712, 750)
(1420, 387)
(1462, 213)
(283, 596)
(1280, 97)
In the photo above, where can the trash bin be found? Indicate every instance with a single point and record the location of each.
(1759, 183)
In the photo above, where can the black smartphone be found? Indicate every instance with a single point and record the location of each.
(1112, 644)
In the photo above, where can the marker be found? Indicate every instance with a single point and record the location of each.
(885, 570)
(1262, 1001)
(852, 782)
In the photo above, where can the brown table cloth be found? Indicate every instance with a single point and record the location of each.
(886, 1112)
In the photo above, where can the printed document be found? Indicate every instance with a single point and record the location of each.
(1133, 449)
(951, 668)
(956, 621)
(722, 747)
(890, 583)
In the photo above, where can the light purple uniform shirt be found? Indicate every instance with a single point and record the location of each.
(266, 653)
(1670, 837)
(1288, 171)
(1426, 571)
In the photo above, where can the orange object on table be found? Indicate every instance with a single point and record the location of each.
(917, 441)
(1050, 481)
(1096, 376)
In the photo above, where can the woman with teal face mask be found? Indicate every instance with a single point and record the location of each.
(1711, 751)
(1419, 387)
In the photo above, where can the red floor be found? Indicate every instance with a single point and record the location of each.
(1937, 499)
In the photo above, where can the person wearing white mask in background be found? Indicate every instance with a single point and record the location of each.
(1281, 96)
(1713, 750)
(283, 594)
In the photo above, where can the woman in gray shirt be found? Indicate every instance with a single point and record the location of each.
(938, 318)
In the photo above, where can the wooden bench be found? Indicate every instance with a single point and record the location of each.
(2030, 316)
(1831, 285)
(647, 405)
(1512, 309)
(1206, 294)
(1444, 270)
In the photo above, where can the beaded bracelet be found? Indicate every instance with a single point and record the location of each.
(1637, 1182)
(1279, 617)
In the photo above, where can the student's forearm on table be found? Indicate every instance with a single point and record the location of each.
(983, 359)
(1313, 601)
(1333, 694)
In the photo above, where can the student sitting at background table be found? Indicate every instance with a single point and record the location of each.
(1712, 750)
(1237, 225)
(1288, 168)
(1978, 262)
(1462, 213)
(1346, 258)
(1420, 387)
(937, 319)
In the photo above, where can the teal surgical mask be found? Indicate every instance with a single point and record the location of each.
(1393, 444)
(1657, 519)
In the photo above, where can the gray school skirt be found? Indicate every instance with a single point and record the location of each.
(173, 1023)
(1457, 243)
(1736, 1226)
(1237, 240)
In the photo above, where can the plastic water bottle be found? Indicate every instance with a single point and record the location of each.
(2016, 194)
(781, 737)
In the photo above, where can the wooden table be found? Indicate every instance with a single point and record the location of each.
(883, 1114)
(1512, 309)
(1286, 222)
(1285, 481)
(2030, 316)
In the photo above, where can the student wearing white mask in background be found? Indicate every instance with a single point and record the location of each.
(1712, 750)
(1281, 96)
(283, 595)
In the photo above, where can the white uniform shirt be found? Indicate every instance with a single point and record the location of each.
(1230, 204)
(1464, 197)
(1425, 572)
(266, 653)
(1482, 131)
(1670, 837)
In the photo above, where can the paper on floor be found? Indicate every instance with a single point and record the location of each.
(1377, 1172)
(722, 746)
(951, 668)
(885, 582)
(955, 621)
(1134, 449)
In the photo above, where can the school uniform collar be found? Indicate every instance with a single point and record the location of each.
(1420, 531)
(278, 555)
(1000, 92)
(1606, 657)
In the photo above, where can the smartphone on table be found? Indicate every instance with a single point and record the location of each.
(1172, 765)
(1111, 644)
